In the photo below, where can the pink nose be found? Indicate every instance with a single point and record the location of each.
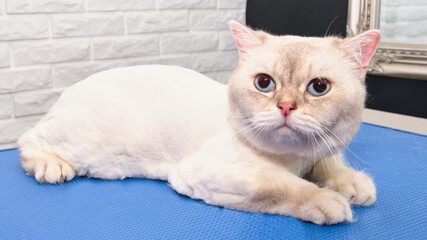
(286, 108)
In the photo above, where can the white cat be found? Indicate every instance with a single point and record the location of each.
(291, 106)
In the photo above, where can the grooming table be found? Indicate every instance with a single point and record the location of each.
(146, 209)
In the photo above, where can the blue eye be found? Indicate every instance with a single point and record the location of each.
(319, 86)
(264, 83)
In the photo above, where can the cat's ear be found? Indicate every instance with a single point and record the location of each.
(362, 47)
(245, 38)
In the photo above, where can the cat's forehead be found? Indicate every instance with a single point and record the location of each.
(303, 56)
(294, 47)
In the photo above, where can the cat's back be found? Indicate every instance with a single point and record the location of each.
(163, 91)
(142, 118)
(149, 82)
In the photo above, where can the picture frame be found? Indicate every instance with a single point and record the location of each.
(391, 59)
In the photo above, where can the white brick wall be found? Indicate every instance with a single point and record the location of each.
(48, 45)
(18, 27)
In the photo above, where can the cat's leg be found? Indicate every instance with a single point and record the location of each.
(268, 190)
(333, 173)
(40, 162)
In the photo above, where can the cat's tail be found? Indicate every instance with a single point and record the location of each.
(39, 160)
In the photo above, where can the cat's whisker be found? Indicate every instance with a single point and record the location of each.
(251, 129)
(319, 150)
(347, 147)
(330, 24)
(260, 133)
(248, 129)
(313, 138)
(329, 148)
(342, 153)
(333, 145)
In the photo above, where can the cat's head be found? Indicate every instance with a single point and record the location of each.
(300, 95)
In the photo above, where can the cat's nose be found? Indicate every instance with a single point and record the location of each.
(286, 108)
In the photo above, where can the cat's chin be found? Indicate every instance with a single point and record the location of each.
(280, 141)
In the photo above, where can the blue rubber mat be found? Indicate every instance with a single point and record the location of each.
(145, 209)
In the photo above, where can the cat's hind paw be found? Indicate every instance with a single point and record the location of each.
(45, 167)
(54, 172)
(357, 187)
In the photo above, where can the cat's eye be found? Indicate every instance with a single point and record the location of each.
(319, 86)
(264, 83)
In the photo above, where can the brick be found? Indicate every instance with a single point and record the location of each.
(217, 61)
(50, 51)
(232, 4)
(4, 55)
(204, 20)
(226, 41)
(19, 80)
(87, 25)
(157, 21)
(17, 27)
(120, 5)
(126, 47)
(189, 42)
(45, 6)
(191, 4)
(11, 130)
(67, 75)
(34, 103)
(6, 107)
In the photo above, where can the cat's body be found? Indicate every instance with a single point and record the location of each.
(127, 129)
(247, 146)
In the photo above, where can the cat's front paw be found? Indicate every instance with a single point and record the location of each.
(326, 207)
(357, 187)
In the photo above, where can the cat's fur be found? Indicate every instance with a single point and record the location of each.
(228, 148)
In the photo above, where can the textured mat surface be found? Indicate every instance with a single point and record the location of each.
(138, 208)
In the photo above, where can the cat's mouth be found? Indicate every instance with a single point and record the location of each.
(288, 128)
(285, 127)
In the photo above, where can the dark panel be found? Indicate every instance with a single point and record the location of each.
(298, 17)
(313, 18)
(397, 95)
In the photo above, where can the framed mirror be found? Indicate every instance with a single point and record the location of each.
(402, 51)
